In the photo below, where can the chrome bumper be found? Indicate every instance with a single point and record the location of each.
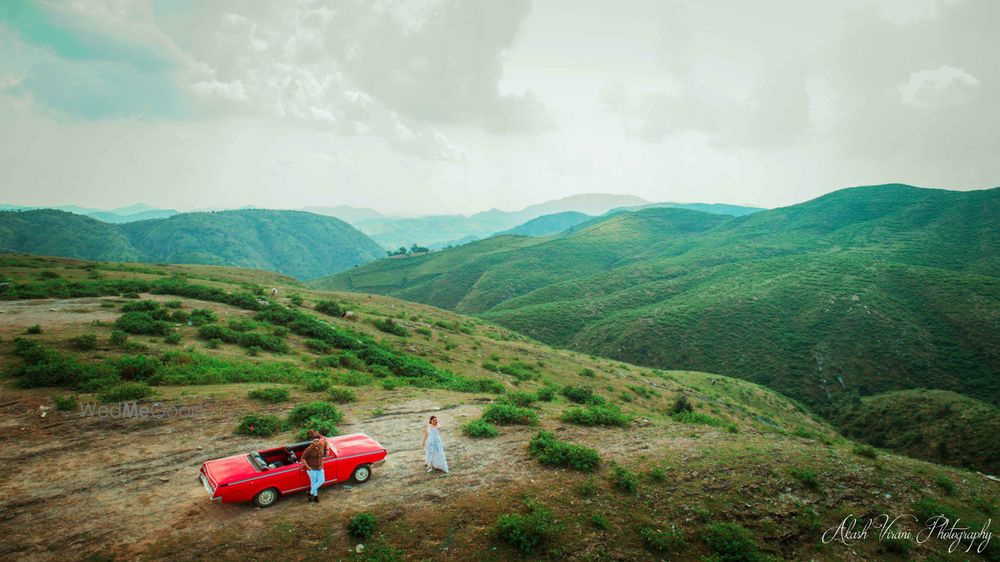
(378, 463)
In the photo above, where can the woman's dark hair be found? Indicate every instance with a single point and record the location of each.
(432, 419)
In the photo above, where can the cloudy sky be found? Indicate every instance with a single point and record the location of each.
(431, 106)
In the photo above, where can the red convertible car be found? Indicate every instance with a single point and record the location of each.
(264, 476)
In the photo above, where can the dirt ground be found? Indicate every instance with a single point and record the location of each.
(70, 483)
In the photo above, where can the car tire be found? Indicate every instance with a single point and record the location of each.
(266, 497)
(361, 473)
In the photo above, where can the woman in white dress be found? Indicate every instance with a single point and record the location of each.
(434, 448)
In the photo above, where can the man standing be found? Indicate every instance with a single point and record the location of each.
(312, 458)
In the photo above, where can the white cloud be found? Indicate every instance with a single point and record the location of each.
(942, 86)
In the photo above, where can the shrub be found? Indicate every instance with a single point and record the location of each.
(807, 477)
(352, 378)
(480, 429)
(242, 325)
(140, 306)
(668, 540)
(272, 395)
(527, 532)
(490, 366)
(85, 342)
(732, 543)
(681, 404)
(600, 522)
(550, 451)
(36, 329)
(657, 474)
(587, 373)
(172, 339)
(137, 367)
(597, 415)
(865, 451)
(342, 395)
(180, 317)
(142, 323)
(545, 394)
(946, 484)
(624, 479)
(125, 391)
(323, 426)
(508, 414)
(389, 326)
(202, 316)
(314, 410)
(316, 384)
(119, 338)
(258, 424)
(699, 418)
(582, 395)
(426, 332)
(587, 488)
(328, 307)
(319, 346)
(65, 403)
(172, 304)
(391, 383)
(362, 525)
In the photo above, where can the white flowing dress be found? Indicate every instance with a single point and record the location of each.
(434, 450)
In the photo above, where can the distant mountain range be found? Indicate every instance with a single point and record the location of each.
(858, 292)
(121, 215)
(296, 243)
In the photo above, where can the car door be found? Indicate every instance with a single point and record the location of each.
(331, 468)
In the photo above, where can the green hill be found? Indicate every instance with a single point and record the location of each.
(547, 225)
(295, 243)
(554, 454)
(860, 291)
(936, 425)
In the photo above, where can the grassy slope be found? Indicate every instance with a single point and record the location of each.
(932, 424)
(300, 244)
(710, 474)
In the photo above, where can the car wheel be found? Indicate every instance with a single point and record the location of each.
(362, 474)
(266, 498)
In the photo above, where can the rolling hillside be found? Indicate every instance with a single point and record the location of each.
(554, 454)
(547, 225)
(861, 291)
(296, 243)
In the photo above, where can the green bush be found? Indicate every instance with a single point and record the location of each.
(527, 533)
(681, 404)
(600, 522)
(125, 391)
(550, 451)
(65, 403)
(545, 394)
(326, 427)
(582, 395)
(119, 338)
(352, 378)
(330, 308)
(663, 541)
(508, 414)
(172, 304)
(589, 373)
(732, 543)
(926, 508)
(389, 326)
(140, 306)
(272, 394)
(34, 330)
(490, 366)
(657, 474)
(699, 418)
(136, 367)
(624, 479)
(342, 395)
(142, 323)
(202, 316)
(597, 415)
(259, 424)
(480, 429)
(362, 525)
(946, 484)
(587, 488)
(172, 339)
(317, 384)
(85, 342)
(806, 476)
(865, 451)
(314, 410)
(318, 346)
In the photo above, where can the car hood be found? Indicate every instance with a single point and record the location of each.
(355, 444)
(229, 469)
